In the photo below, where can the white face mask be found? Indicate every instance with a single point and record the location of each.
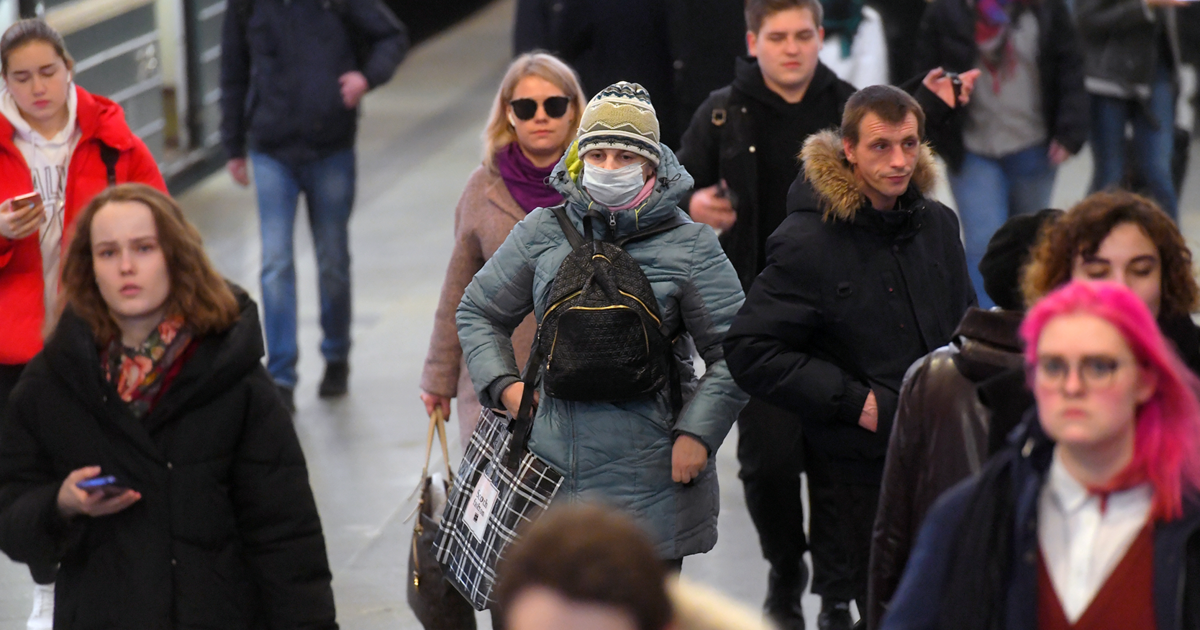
(616, 187)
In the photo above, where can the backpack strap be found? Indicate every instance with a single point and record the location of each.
(109, 156)
(573, 236)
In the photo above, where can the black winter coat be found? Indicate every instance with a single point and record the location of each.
(1122, 41)
(679, 50)
(226, 534)
(606, 41)
(711, 152)
(847, 303)
(280, 63)
(947, 39)
(941, 436)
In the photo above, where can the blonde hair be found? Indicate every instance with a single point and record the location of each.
(499, 133)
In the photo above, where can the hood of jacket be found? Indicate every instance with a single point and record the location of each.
(832, 180)
(748, 79)
(96, 116)
(672, 183)
(219, 361)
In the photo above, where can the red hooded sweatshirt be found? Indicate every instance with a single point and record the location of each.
(100, 121)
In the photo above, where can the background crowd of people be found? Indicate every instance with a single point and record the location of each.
(993, 405)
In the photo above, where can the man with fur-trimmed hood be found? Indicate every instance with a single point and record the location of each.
(864, 277)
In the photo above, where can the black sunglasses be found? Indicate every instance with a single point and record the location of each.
(526, 108)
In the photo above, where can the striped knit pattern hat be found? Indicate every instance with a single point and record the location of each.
(620, 117)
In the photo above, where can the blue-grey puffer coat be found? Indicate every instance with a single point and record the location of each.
(618, 453)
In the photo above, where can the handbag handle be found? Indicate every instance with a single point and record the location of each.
(437, 424)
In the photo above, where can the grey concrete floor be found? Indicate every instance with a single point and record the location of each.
(418, 143)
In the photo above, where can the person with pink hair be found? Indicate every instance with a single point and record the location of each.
(1092, 518)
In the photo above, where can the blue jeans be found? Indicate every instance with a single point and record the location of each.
(989, 191)
(328, 187)
(1153, 140)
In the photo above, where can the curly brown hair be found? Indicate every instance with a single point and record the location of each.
(1080, 232)
(198, 293)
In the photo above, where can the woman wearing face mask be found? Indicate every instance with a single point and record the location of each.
(533, 121)
(54, 139)
(154, 376)
(1124, 238)
(1091, 519)
(642, 456)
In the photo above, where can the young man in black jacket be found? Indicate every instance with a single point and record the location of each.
(292, 76)
(741, 147)
(865, 276)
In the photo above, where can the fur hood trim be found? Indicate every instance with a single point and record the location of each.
(826, 169)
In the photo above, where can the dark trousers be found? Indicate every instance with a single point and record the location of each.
(9, 375)
(771, 453)
(840, 522)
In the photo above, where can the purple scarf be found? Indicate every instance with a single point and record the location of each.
(526, 182)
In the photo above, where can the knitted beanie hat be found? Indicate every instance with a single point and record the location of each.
(1007, 253)
(620, 117)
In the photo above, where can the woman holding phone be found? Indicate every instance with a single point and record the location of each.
(59, 146)
(154, 376)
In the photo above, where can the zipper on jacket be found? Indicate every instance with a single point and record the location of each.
(612, 222)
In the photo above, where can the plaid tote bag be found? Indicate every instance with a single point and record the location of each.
(490, 501)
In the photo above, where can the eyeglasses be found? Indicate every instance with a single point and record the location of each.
(1094, 371)
(526, 108)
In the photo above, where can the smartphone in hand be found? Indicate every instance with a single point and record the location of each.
(28, 200)
(108, 484)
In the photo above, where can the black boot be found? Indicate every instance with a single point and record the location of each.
(835, 615)
(784, 590)
(288, 396)
(335, 381)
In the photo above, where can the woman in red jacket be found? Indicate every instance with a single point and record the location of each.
(61, 145)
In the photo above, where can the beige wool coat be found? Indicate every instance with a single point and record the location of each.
(486, 213)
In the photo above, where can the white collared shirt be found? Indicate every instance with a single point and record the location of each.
(1081, 545)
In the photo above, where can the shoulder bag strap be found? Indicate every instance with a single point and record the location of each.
(523, 423)
(109, 156)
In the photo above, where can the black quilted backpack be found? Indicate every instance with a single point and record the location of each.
(602, 335)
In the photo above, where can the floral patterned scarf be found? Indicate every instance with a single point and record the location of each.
(140, 373)
(994, 19)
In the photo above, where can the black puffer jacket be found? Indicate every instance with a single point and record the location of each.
(947, 39)
(711, 152)
(226, 534)
(1122, 41)
(280, 64)
(941, 436)
(850, 298)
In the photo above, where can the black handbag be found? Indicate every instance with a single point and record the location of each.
(434, 601)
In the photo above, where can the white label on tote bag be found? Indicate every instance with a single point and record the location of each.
(483, 499)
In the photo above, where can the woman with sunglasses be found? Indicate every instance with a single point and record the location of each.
(533, 121)
(59, 146)
(1125, 238)
(1091, 519)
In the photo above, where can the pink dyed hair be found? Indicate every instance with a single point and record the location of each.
(1167, 434)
